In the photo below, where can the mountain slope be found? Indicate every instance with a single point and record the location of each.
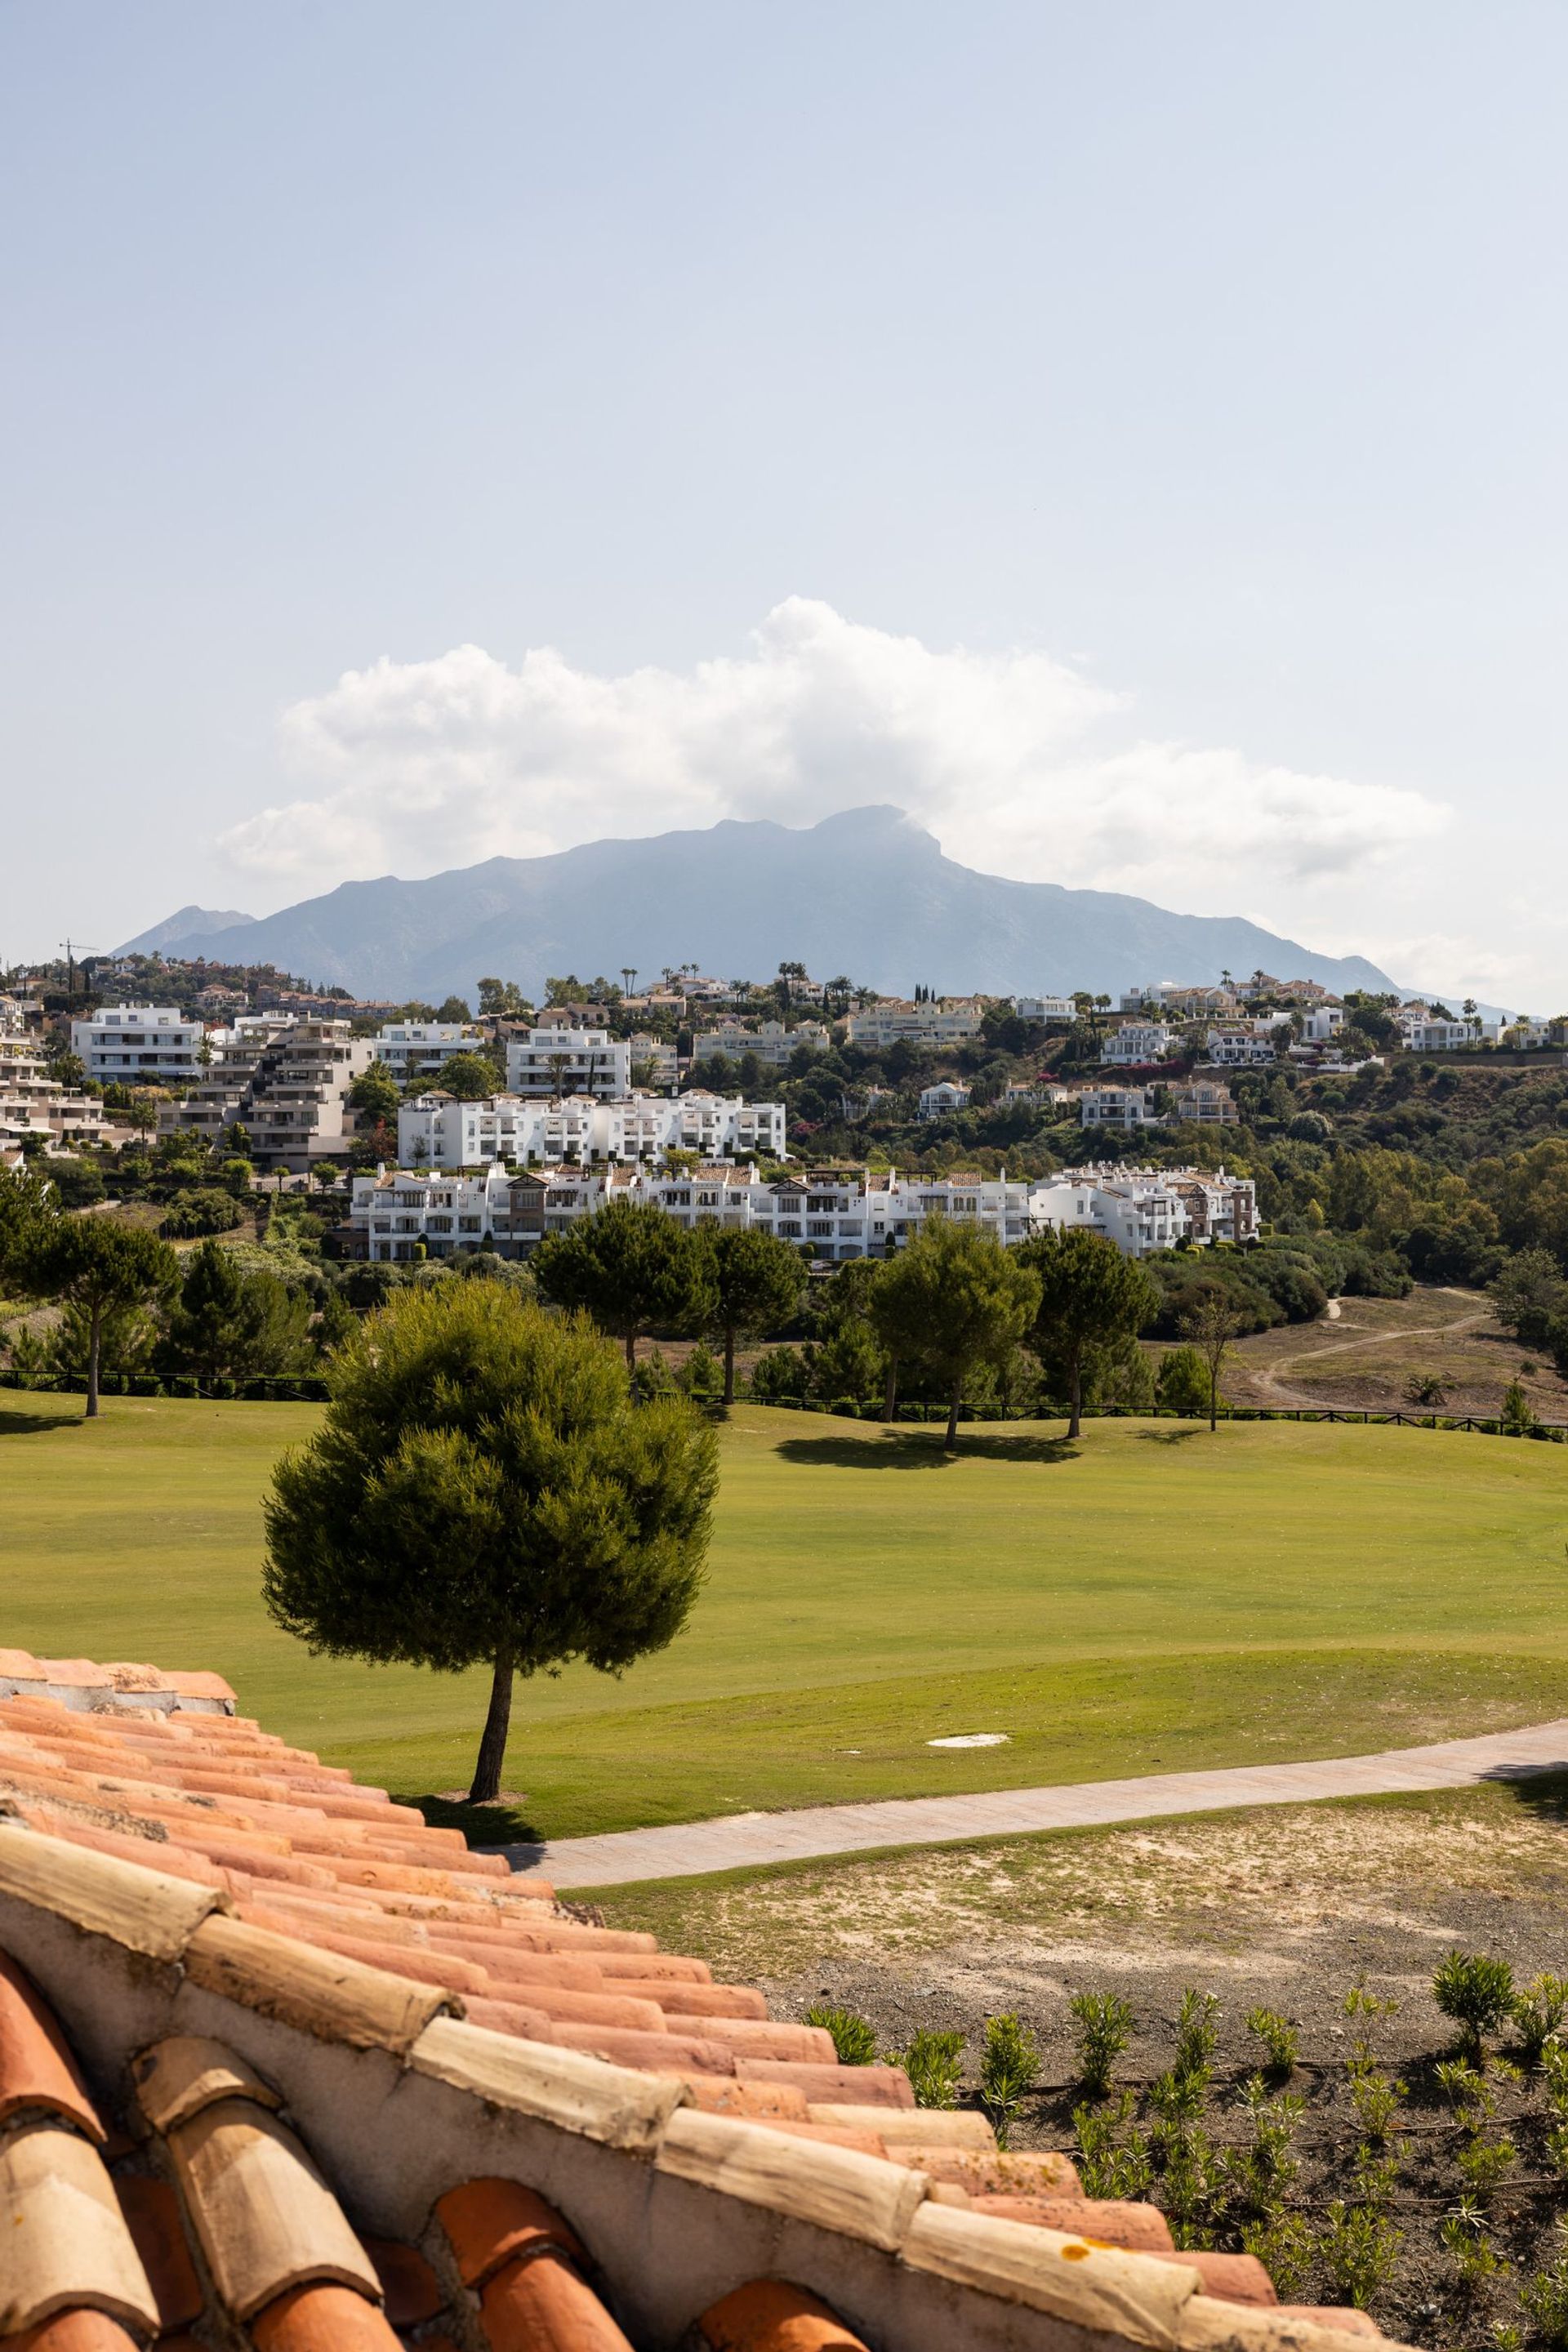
(189, 923)
(867, 892)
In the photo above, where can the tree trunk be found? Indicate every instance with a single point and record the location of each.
(890, 1389)
(94, 1350)
(729, 1363)
(951, 1441)
(1075, 1419)
(631, 1351)
(1214, 1396)
(498, 1723)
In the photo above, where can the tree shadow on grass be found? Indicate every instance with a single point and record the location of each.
(906, 1450)
(1168, 1436)
(24, 1424)
(1542, 1790)
(498, 1825)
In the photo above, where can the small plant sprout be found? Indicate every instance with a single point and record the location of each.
(1196, 2027)
(1106, 2025)
(1009, 2067)
(1544, 2298)
(931, 2062)
(1476, 1992)
(1537, 2013)
(854, 2038)
(1359, 2247)
(1284, 2245)
(1279, 2036)
(1474, 2257)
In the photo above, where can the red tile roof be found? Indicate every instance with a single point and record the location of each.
(278, 2058)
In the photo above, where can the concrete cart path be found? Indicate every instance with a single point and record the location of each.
(743, 1840)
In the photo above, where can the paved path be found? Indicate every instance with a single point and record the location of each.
(742, 1841)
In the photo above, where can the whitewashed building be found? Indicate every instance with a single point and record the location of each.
(139, 1045)
(894, 1022)
(1145, 1209)
(942, 1100)
(418, 1049)
(1044, 1008)
(558, 1061)
(1117, 1107)
(774, 1044)
(436, 1130)
(1136, 1043)
(1239, 1049)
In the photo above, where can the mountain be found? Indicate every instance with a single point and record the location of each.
(190, 923)
(867, 892)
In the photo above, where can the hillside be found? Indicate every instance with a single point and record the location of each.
(868, 891)
(187, 923)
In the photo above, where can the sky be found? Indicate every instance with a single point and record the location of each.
(1129, 437)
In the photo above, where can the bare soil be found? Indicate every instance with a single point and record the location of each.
(1367, 1355)
(1288, 1909)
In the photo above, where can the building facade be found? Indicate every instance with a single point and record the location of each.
(557, 1061)
(139, 1045)
(419, 1049)
(894, 1022)
(773, 1044)
(436, 1130)
(1136, 1043)
(284, 1079)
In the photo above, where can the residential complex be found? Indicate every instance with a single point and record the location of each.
(836, 1214)
(560, 1061)
(773, 1044)
(1137, 1043)
(284, 1079)
(35, 1107)
(941, 1100)
(419, 1049)
(139, 1045)
(436, 1130)
(940, 1020)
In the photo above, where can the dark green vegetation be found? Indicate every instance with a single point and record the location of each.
(483, 1491)
(1146, 1598)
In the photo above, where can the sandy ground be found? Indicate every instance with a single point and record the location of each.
(1368, 1354)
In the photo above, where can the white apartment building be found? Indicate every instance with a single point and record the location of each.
(1123, 1106)
(419, 1049)
(1183, 1001)
(139, 1045)
(285, 1077)
(1204, 1103)
(943, 1099)
(1144, 1209)
(1136, 1043)
(658, 1059)
(436, 1130)
(32, 1103)
(1238, 1049)
(894, 1022)
(1322, 1024)
(1044, 1008)
(773, 1044)
(562, 1061)
(1423, 1033)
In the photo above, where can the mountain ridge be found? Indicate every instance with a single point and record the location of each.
(868, 891)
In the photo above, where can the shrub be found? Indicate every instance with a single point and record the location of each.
(854, 2037)
(1009, 2068)
(1195, 2035)
(1278, 2037)
(1105, 2026)
(1283, 2244)
(1517, 1418)
(931, 2063)
(1544, 2298)
(1183, 1385)
(191, 1215)
(1476, 1991)
(1359, 2247)
(1537, 2013)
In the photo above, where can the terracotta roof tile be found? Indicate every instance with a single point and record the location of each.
(266, 2219)
(773, 2316)
(176, 2078)
(488, 2221)
(37, 2069)
(1142, 2229)
(540, 2305)
(411, 2292)
(75, 2331)
(152, 2213)
(67, 2245)
(880, 2086)
(321, 2319)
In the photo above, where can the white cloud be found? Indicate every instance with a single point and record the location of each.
(1010, 759)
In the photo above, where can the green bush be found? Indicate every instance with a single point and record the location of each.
(854, 2037)
(1009, 2068)
(193, 1215)
(1476, 1991)
(1106, 2025)
(1278, 2037)
(931, 2062)
(1183, 1384)
(1537, 2013)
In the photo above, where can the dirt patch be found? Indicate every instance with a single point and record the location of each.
(1290, 1910)
(1368, 1355)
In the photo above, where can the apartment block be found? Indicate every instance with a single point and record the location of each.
(420, 1049)
(1122, 1107)
(437, 1132)
(139, 1045)
(560, 1061)
(894, 1022)
(1137, 1043)
(33, 1105)
(1204, 1103)
(772, 1043)
(285, 1078)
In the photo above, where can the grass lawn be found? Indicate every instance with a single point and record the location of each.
(1150, 1597)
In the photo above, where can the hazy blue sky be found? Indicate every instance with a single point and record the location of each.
(1130, 436)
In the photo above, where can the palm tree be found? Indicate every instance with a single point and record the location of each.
(630, 976)
(558, 1064)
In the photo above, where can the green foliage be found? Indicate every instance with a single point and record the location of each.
(931, 2060)
(1196, 2026)
(206, 1210)
(854, 2038)
(632, 1268)
(1543, 2298)
(1538, 2013)
(1261, 2174)
(779, 1376)
(228, 1324)
(1530, 1297)
(471, 1078)
(483, 1490)
(1516, 1416)
(756, 1282)
(1090, 1297)
(1183, 1384)
(1105, 2026)
(1009, 2068)
(29, 1207)
(956, 1300)
(1284, 2245)
(79, 1183)
(1359, 2248)
(1106, 2168)
(1281, 2043)
(1476, 1992)
(100, 1267)
(374, 1095)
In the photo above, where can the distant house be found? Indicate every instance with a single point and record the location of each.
(942, 1100)
(1124, 1107)
(1137, 1043)
(1204, 1103)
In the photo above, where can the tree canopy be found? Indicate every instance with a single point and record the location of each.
(1090, 1297)
(755, 1283)
(958, 1299)
(484, 1491)
(374, 1093)
(99, 1266)
(228, 1324)
(632, 1268)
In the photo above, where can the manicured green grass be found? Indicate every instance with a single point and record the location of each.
(1150, 1597)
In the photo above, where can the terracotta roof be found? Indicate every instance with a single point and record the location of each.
(281, 2064)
